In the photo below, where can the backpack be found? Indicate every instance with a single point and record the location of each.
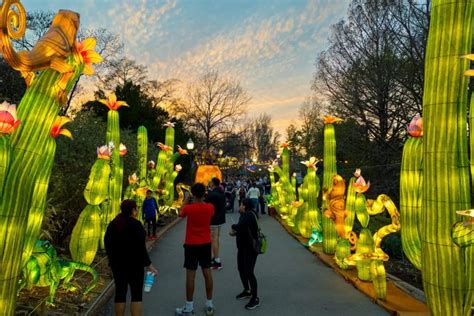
(260, 243)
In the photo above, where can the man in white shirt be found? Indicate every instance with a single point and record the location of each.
(253, 194)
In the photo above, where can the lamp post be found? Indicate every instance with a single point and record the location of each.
(190, 147)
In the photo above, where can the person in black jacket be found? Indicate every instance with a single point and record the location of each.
(245, 231)
(216, 197)
(125, 246)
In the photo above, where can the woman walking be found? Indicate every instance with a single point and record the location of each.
(128, 256)
(245, 231)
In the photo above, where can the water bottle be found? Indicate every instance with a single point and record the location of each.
(149, 279)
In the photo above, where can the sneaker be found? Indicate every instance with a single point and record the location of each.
(244, 295)
(183, 311)
(254, 303)
(216, 266)
(209, 311)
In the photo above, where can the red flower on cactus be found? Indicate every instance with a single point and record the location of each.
(112, 102)
(182, 151)
(169, 124)
(415, 129)
(8, 119)
(285, 145)
(164, 147)
(88, 56)
(360, 186)
(104, 152)
(122, 149)
(57, 129)
(328, 119)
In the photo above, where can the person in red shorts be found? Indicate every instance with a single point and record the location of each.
(197, 247)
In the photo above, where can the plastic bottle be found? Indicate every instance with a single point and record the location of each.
(149, 279)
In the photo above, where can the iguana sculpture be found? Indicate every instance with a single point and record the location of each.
(44, 268)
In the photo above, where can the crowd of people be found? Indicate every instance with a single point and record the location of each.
(205, 210)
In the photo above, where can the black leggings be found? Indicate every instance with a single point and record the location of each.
(125, 276)
(246, 259)
(151, 224)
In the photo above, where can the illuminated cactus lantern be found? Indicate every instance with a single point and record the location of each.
(329, 164)
(50, 70)
(446, 267)
(112, 207)
(86, 234)
(310, 218)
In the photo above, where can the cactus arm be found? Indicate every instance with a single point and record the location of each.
(85, 235)
(142, 143)
(411, 186)
(38, 203)
(350, 206)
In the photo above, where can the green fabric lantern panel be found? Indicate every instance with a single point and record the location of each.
(350, 205)
(343, 250)
(364, 249)
(85, 235)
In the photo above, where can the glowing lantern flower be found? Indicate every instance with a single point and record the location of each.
(357, 173)
(164, 147)
(285, 145)
(112, 102)
(151, 164)
(142, 191)
(57, 129)
(469, 72)
(296, 204)
(133, 179)
(468, 213)
(8, 119)
(415, 129)
(123, 149)
(360, 186)
(86, 51)
(104, 152)
(178, 168)
(311, 163)
(328, 119)
(169, 124)
(182, 151)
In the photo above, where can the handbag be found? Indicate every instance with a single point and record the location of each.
(260, 243)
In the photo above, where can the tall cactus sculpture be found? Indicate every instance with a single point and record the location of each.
(330, 170)
(311, 182)
(447, 284)
(59, 62)
(86, 234)
(112, 208)
(411, 189)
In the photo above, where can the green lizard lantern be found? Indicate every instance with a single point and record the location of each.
(44, 268)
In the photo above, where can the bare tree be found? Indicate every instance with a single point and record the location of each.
(367, 76)
(265, 138)
(311, 117)
(213, 107)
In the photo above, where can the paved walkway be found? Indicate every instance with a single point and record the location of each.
(291, 280)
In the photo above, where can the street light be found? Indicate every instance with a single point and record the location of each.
(190, 144)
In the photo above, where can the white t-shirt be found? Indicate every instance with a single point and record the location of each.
(253, 193)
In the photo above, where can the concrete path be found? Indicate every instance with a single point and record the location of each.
(291, 280)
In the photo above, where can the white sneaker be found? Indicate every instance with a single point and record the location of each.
(183, 311)
(209, 311)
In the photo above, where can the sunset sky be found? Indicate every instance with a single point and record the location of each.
(269, 46)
